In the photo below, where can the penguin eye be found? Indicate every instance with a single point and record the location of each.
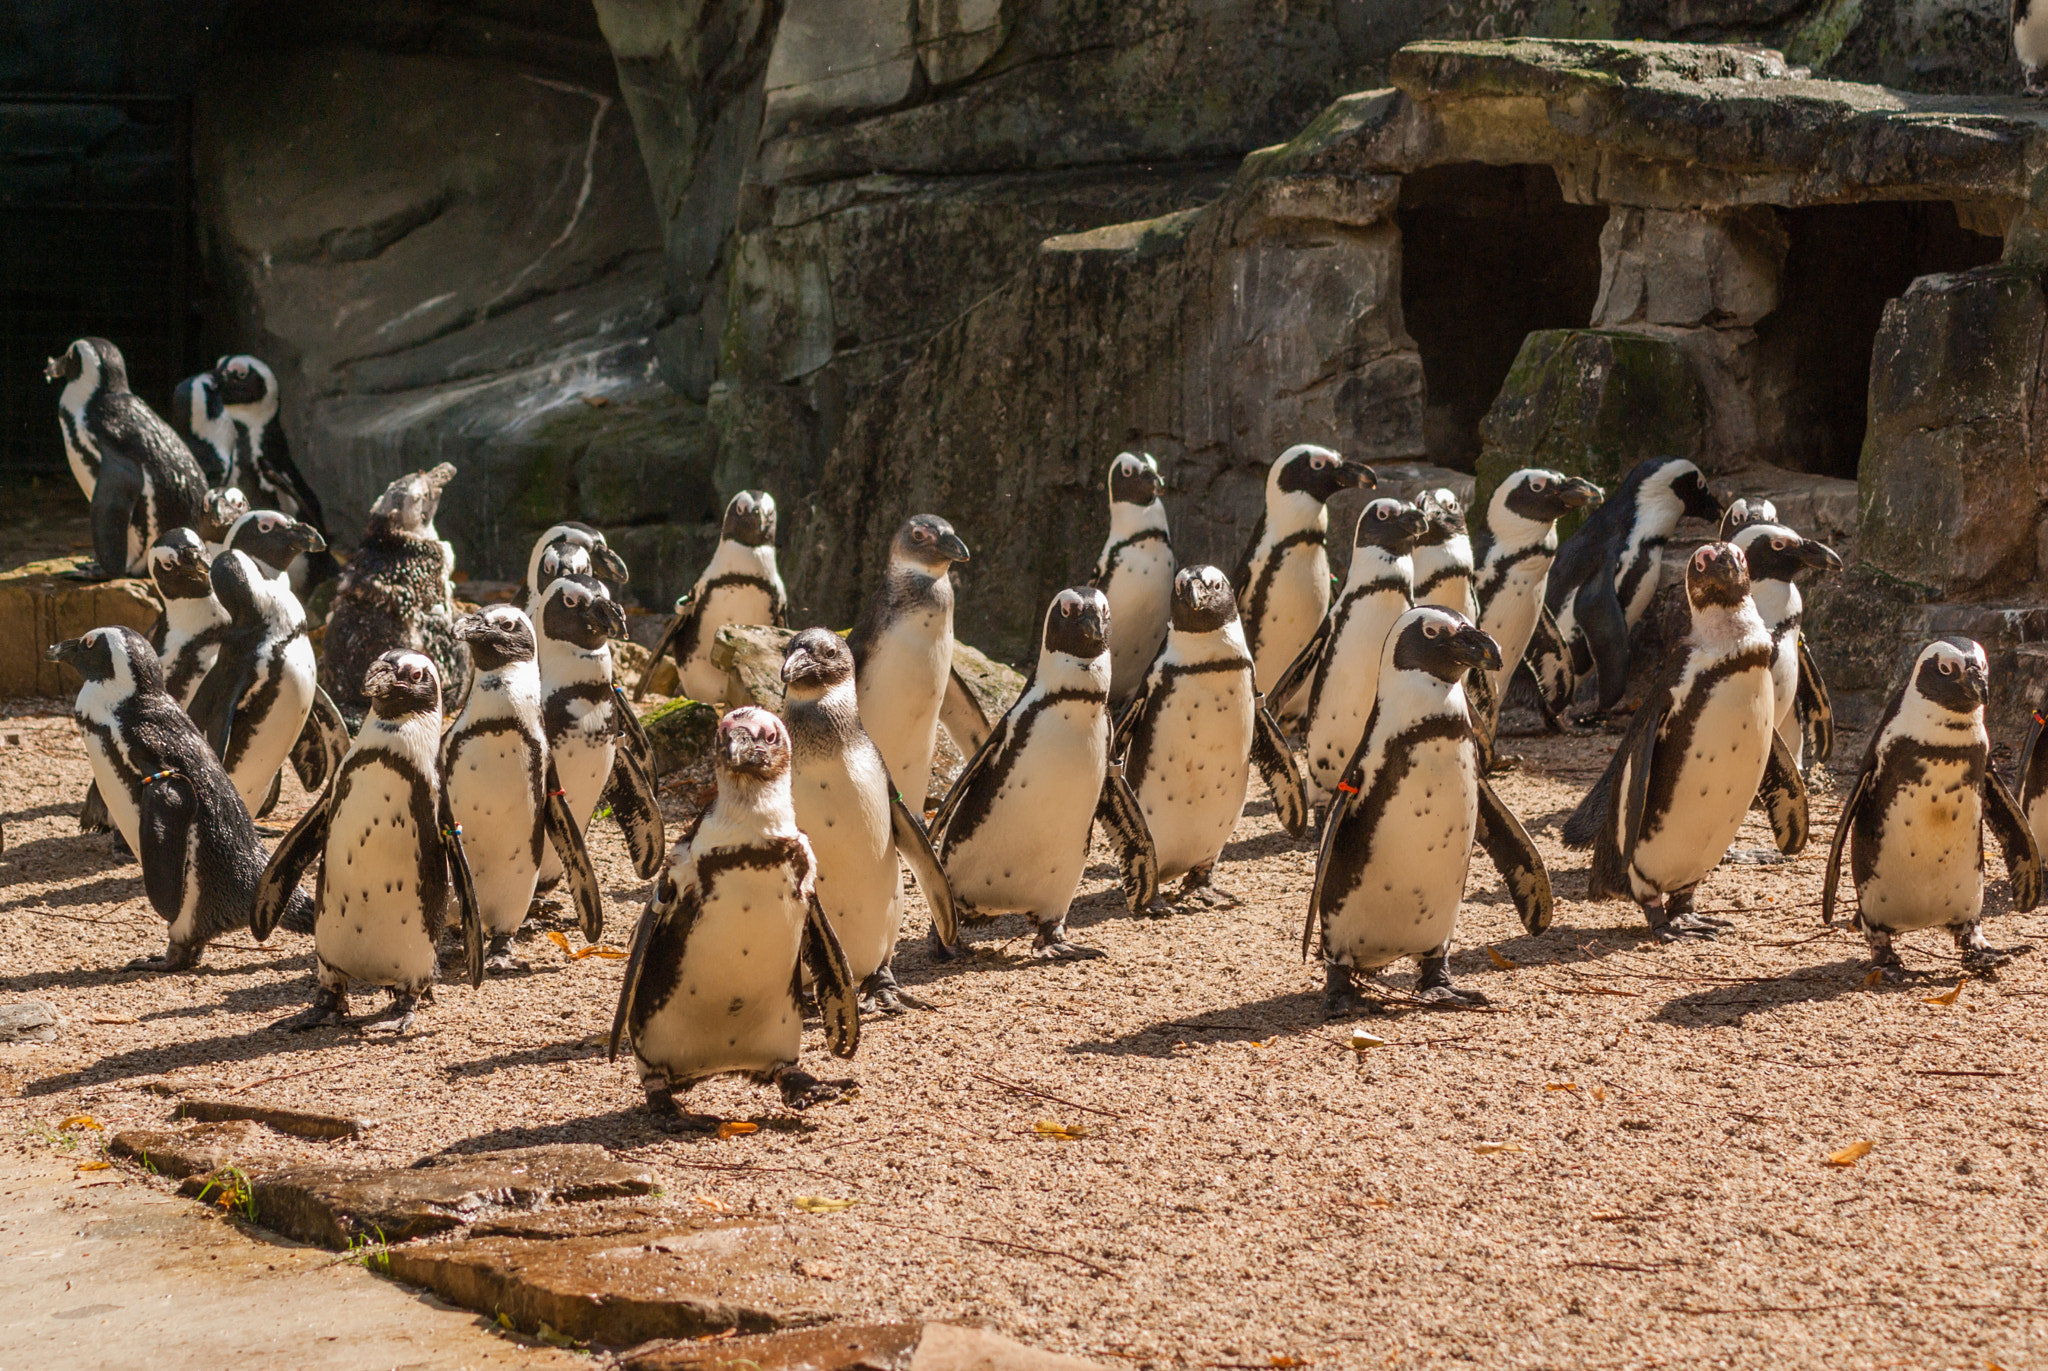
(1318, 461)
(923, 535)
(1777, 544)
(1948, 668)
(1381, 513)
(1538, 484)
(1066, 609)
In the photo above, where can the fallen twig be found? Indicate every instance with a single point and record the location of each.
(1027, 1090)
(1670, 1265)
(997, 1242)
(1929, 1071)
(281, 1076)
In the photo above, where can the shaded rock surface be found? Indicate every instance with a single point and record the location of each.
(199, 1150)
(857, 1347)
(38, 608)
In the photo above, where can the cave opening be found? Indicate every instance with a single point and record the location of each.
(1489, 255)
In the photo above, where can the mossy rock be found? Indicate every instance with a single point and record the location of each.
(682, 732)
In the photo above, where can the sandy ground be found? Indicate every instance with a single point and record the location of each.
(1624, 1163)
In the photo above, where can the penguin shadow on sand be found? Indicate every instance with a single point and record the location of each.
(226, 1051)
(619, 1130)
(118, 886)
(1292, 1015)
(540, 1054)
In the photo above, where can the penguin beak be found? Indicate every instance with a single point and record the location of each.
(951, 548)
(611, 567)
(1411, 521)
(67, 652)
(1579, 494)
(379, 679)
(1819, 556)
(54, 370)
(798, 663)
(305, 538)
(1469, 647)
(614, 617)
(1352, 475)
(1155, 483)
(471, 628)
(1980, 683)
(1701, 504)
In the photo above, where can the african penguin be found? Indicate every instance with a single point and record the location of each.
(247, 391)
(1606, 573)
(1698, 750)
(1443, 554)
(1013, 832)
(193, 619)
(391, 858)
(1283, 579)
(1193, 734)
(1520, 541)
(1776, 555)
(714, 983)
(2030, 43)
(903, 651)
(1743, 512)
(740, 586)
(1397, 845)
(394, 593)
(602, 562)
(503, 789)
(1915, 820)
(166, 791)
(1135, 571)
(198, 417)
(223, 508)
(137, 472)
(857, 824)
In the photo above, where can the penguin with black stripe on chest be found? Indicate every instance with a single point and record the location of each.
(1397, 845)
(740, 586)
(903, 651)
(1283, 579)
(1914, 822)
(1701, 747)
(1443, 554)
(1135, 571)
(174, 804)
(393, 872)
(600, 561)
(197, 416)
(714, 985)
(1776, 555)
(1517, 546)
(193, 619)
(247, 392)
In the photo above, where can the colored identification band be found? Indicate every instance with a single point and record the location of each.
(156, 776)
(1347, 787)
(454, 831)
(2039, 720)
(558, 792)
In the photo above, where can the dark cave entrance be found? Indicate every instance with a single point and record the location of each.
(1489, 255)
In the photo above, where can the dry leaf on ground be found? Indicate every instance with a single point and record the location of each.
(1487, 1149)
(818, 1204)
(1504, 963)
(81, 1121)
(1362, 1040)
(1065, 1132)
(577, 954)
(735, 1129)
(1849, 1155)
(95, 1166)
(1949, 997)
(1561, 1085)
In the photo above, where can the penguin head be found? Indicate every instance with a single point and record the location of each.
(1077, 623)
(1134, 479)
(220, 511)
(498, 636)
(1953, 673)
(1445, 515)
(816, 660)
(246, 383)
(928, 542)
(1202, 600)
(1316, 472)
(1742, 513)
(1717, 574)
(178, 565)
(752, 743)
(118, 657)
(409, 503)
(1776, 553)
(95, 361)
(403, 682)
(604, 563)
(1684, 481)
(750, 519)
(579, 610)
(274, 539)
(1442, 642)
(1393, 526)
(195, 406)
(563, 559)
(1540, 496)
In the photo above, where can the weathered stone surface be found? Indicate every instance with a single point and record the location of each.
(295, 1121)
(29, 1021)
(1689, 267)
(199, 1150)
(857, 1347)
(39, 608)
(682, 732)
(995, 685)
(751, 657)
(955, 38)
(1855, 623)
(834, 58)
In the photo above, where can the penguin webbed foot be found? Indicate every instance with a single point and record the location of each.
(1197, 889)
(500, 959)
(329, 1009)
(879, 993)
(1672, 919)
(173, 958)
(800, 1089)
(1053, 945)
(1433, 987)
(1340, 997)
(93, 572)
(397, 1018)
(661, 1103)
(121, 848)
(1980, 956)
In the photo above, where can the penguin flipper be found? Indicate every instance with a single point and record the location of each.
(915, 847)
(1550, 668)
(1816, 710)
(962, 783)
(164, 835)
(962, 714)
(838, 997)
(1484, 706)
(1303, 665)
(1610, 818)
(1339, 814)
(465, 894)
(1783, 792)
(1277, 767)
(662, 645)
(1118, 812)
(568, 843)
(322, 743)
(1514, 855)
(2032, 777)
(2016, 840)
(220, 694)
(630, 792)
(1831, 878)
(92, 814)
(643, 934)
(1603, 629)
(631, 731)
(113, 512)
(298, 850)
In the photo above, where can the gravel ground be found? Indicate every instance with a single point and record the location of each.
(1624, 1163)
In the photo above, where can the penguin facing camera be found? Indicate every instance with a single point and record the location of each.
(1135, 571)
(1443, 554)
(1516, 548)
(739, 586)
(601, 561)
(903, 654)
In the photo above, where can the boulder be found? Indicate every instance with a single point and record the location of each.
(1689, 267)
(682, 732)
(751, 657)
(39, 608)
(29, 1021)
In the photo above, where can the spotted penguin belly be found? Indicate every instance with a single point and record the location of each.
(1029, 853)
(1140, 594)
(1197, 772)
(859, 885)
(899, 692)
(583, 762)
(1718, 777)
(731, 1007)
(1350, 687)
(371, 926)
(1405, 901)
(731, 604)
(1927, 870)
(490, 792)
(1296, 601)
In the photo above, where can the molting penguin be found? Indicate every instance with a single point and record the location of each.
(714, 983)
(168, 794)
(1776, 555)
(857, 823)
(1606, 574)
(1700, 748)
(1443, 554)
(1519, 545)
(1345, 652)
(134, 468)
(1013, 832)
(740, 586)
(1135, 571)
(502, 786)
(602, 562)
(903, 651)
(1397, 845)
(390, 854)
(2030, 43)
(1283, 580)
(1193, 734)
(1915, 820)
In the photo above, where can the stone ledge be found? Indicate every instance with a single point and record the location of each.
(38, 608)
(856, 1347)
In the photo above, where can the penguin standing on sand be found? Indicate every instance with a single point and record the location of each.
(601, 562)
(1915, 821)
(393, 873)
(503, 790)
(1283, 580)
(713, 985)
(903, 651)
(1135, 571)
(1518, 545)
(394, 593)
(1701, 747)
(169, 796)
(740, 586)
(1013, 832)
(1397, 845)
(1606, 574)
(1443, 554)
(1776, 555)
(136, 471)
(857, 823)
(1193, 734)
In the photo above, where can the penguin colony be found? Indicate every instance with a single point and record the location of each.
(459, 759)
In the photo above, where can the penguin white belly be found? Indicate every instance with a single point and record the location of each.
(1510, 616)
(142, 530)
(1140, 594)
(1352, 671)
(1295, 604)
(2030, 37)
(1717, 779)
(732, 1007)
(1406, 901)
(121, 807)
(730, 604)
(1198, 770)
(1646, 587)
(371, 927)
(87, 476)
(1785, 692)
(1029, 853)
(1929, 871)
(848, 821)
(491, 793)
(267, 747)
(583, 763)
(900, 690)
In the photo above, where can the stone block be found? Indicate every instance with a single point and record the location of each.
(955, 38)
(682, 732)
(1689, 267)
(751, 656)
(298, 1122)
(199, 1150)
(39, 608)
(28, 1021)
(857, 1347)
(835, 58)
